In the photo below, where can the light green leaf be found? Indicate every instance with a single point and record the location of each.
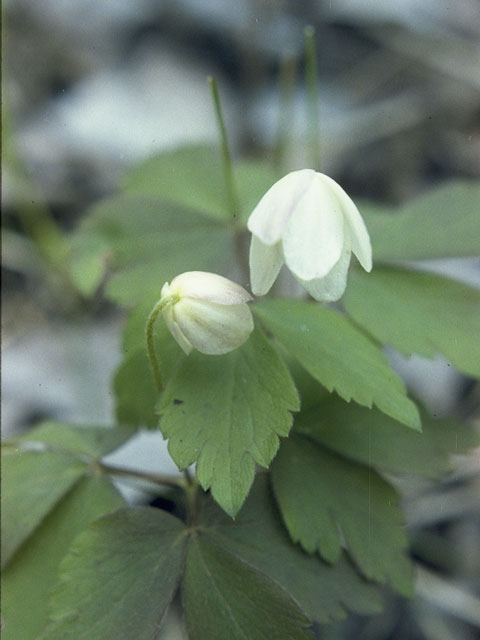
(233, 421)
(321, 494)
(147, 241)
(32, 483)
(418, 312)
(338, 355)
(370, 437)
(258, 538)
(30, 576)
(442, 223)
(93, 442)
(190, 176)
(119, 577)
(225, 598)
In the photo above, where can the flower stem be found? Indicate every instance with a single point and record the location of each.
(288, 76)
(311, 82)
(152, 356)
(227, 156)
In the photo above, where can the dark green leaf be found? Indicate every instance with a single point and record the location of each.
(119, 577)
(225, 598)
(148, 241)
(32, 483)
(338, 355)
(443, 223)
(94, 442)
(419, 312)
(231, 422)
(30, 576)
(258, 538)
(322, 495)
(190, 176)
(370, 437)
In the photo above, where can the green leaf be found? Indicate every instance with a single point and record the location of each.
(258, 538)
(418, 312)
(321, 494)
(225, 598)
(189, 176)
(119, 577)
(94, 442)
(443, 223)
(231, 422)
(148, 241)
(370, 437)
(32, 573)
(253, 178)
(32, 483)
(338, 355)
(134, 386)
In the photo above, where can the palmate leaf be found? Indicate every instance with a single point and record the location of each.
(257, 537)
(338, 355)
(119, 577)
(32, 573)
(34, 480)
(321, 494)
(372, 438)
(442, 223)
(231, 423)
(146, 241)
(418, 312)
(226, 598)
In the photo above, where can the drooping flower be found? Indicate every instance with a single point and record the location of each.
(307, 221)
(207, 312)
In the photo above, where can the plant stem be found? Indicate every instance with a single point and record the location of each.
(311, 83)
(232, 194)
(169, 481)
(288, 75)
(152, 356)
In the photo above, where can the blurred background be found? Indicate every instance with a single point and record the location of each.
(90, 88)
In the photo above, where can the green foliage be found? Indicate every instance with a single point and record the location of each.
(419, 313)
(444, 222)
(32, 573)
(338, 355)
(372, 438)
(119, 577)
(231, 423)
(321, 494)
(241, 602)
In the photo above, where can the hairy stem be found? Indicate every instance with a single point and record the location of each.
(152, 356)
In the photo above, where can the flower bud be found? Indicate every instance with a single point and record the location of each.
(207, 312)
(307, 221)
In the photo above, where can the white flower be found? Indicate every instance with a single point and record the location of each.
(207, 312)
(307, 221)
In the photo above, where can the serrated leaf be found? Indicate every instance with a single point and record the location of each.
(191, 176)
(258, 538)
(442, 223)
(225, 598)
(147, 241)
(30, 576)
(370, 437)
(339, 356)
(32, 483)
(94, 442)
(322, 495)
(233, 421)
(418, 312)
(119, 577)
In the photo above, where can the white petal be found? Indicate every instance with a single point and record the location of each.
(213, 328)
(269, 219)
(360, 240)
(314, 239)
(332, 286)
(175, 330)
(265, 263)
(210, 287)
